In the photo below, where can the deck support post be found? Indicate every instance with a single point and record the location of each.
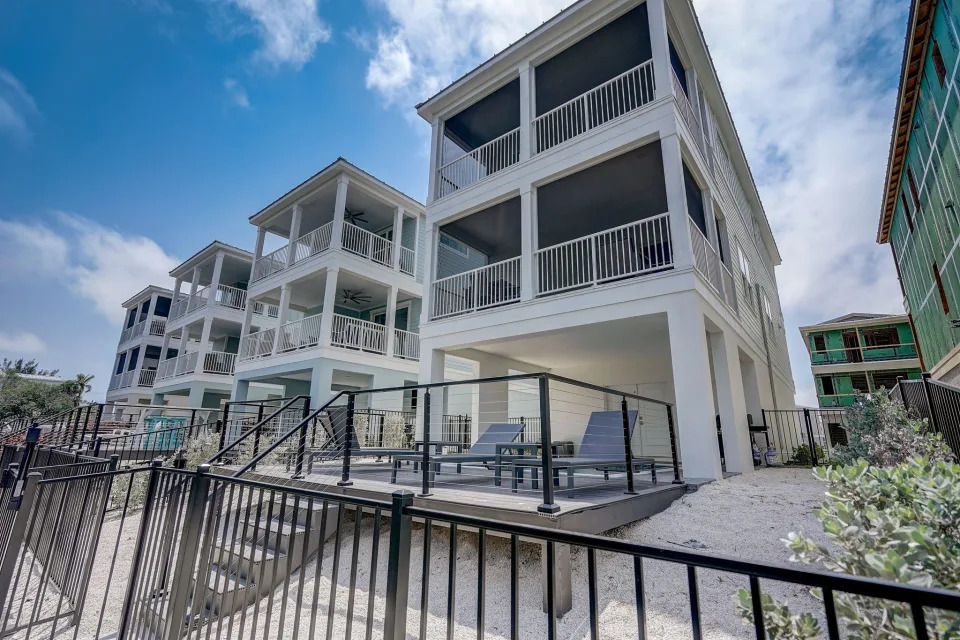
(347, 442)
(425, 464)
(546, 450)
(562, 578)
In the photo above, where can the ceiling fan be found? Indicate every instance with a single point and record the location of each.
(354, 217)
(354, 296)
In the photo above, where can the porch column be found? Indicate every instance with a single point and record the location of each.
(151, 309)
(696, 419)
(528, 243)
(397, 236)
(247, 319)
(660, 46)
(432, 363)
(204, 342)
(329, 301)
(436, 150)
(527, 110)
(215, 279)
(676, 202)
(184, 336)
(177, 284)
(284, 311)
(140, 356)
(432, 238)
(164, 347)
(731, 403)
(195, 281)
(339, 208)
(296, 218)
(391, 319)
(258, 250)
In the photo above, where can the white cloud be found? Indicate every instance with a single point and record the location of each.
(289, 30)
(237, 94)
(21, 342)
(17, 107)
(100, 265)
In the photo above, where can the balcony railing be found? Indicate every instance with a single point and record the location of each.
(114, 382)
(258, 344)
(158, 327)
(490, 286)
(133, 332)
(614, 98)
(219, 362)
(166, 368)
(629, 250)
(180, 366)
(368, 245)
(689, 116)
(231, 297)
(271, 263)
(198, 300)
(126, 378)
(310, 244)
(482, 162)
(874, 353)
(269, 310)
(299, 334)
(707, 262)
(146, 377)
(354, 333)
(408, 261)
(406, 344)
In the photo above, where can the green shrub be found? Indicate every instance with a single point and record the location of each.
(801, 455)
(900, 523)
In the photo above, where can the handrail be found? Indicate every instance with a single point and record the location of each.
(254, 428)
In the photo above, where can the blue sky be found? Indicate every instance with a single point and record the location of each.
(132, 132)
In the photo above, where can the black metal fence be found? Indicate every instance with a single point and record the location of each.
(936, 402)
(209, 556)
(805, 437)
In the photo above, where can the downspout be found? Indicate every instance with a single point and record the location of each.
(766, 348)
(913, 328)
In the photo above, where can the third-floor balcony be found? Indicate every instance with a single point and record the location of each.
(222, 296)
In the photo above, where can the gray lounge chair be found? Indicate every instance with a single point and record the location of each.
(483, 451)
(601, 449)
(334, 448)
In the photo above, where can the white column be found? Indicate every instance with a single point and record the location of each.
(436, 150)
(284, 311)
(184, 336)
(731, 402)
(528, 111)
(397, 233)
(676, 201)
(659, 45)
(215, 279)
(177, 285)
(528, 243)
(195, 281)
(432, 363)
(204, 342)
(139, 364)
(164, 347)
(339, 208)
(695, 416)
(151, 309)
(432, 234)
(329, 300)
(296, 217)
(247, 321)
(391, 319)
(261, 237)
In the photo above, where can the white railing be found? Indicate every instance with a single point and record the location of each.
(484, 161)
(231, 297)
(114, 382)
(366, 244)
(299, 334)
(271, 263)
(310, 244)
(146, 377)
(219, 362)
(618, 96)
(187, 363)
(689, 116)
(158, 327)
(628, 250)
(406, 344)
(408, 261)
(133, 332)
(126, 379)
(198, 300)
(178, 308)
(257, 345)
(166, 369)
(354, 333)
(270, 310)
(707, 261)
(490, 286)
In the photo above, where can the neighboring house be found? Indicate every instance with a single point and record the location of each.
(139, 350)
(920, 218)
(203, 331)
(338, 258)
(860, 353)
(591, 213)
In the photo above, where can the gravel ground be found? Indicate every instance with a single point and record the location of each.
(744, 517)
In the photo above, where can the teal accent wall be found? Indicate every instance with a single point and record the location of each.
(835, 351)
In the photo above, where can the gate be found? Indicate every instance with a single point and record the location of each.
(805, 437)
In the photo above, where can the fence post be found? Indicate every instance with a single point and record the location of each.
(135, 565)
(223, 432)
(182, 581)
(16, 539)
(903, 392)
(425, 463)
(96, 447)
(302, 440)
(673, 447)
(813, 445)
(627, 445)
(546, 450)
(76, 425)
(348, 441)
(398, 568)
(934, 423)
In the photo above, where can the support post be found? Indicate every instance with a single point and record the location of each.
(425, 463)
(673, 447)
(302, 439)
(139, 550)
(256, 436)
(398, 568)
(627, 445)
(546, 450)
(347, 442)
(224, 423)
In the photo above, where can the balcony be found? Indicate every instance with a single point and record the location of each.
(141, 378)
(707, 261)
(493, 285)
(133, 332)
(480, 163)
(875, 353)
(213, 362)
(158, 327)
(224, 296)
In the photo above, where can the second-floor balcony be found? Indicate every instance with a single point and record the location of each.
(211, 362)
(865, 353)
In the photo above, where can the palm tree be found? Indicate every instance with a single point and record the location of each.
(79, 386)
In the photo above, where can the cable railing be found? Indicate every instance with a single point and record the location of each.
(231, 297)
(353, 333)
(271, 263)
(300, 334)
(628, 250)
(219, 362)
(406, 344)
(481, 288)
(480, 163)
(408, 261)
(367, 245)
(616, 97)
(313, 243)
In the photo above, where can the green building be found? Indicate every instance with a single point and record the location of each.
(860, 352)
(920, 217)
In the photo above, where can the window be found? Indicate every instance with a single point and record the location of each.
(938, 65)
(859, 382)
(827, 384)
(943, 294)
(913, 191)
(767, 309)
(745, 273)
(819, 343)
(881, 337)
(452, 243)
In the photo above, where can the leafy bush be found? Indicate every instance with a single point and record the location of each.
(801, 455)
(880, 431)
(901, 524)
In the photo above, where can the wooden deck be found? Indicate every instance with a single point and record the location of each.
(597, 505)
